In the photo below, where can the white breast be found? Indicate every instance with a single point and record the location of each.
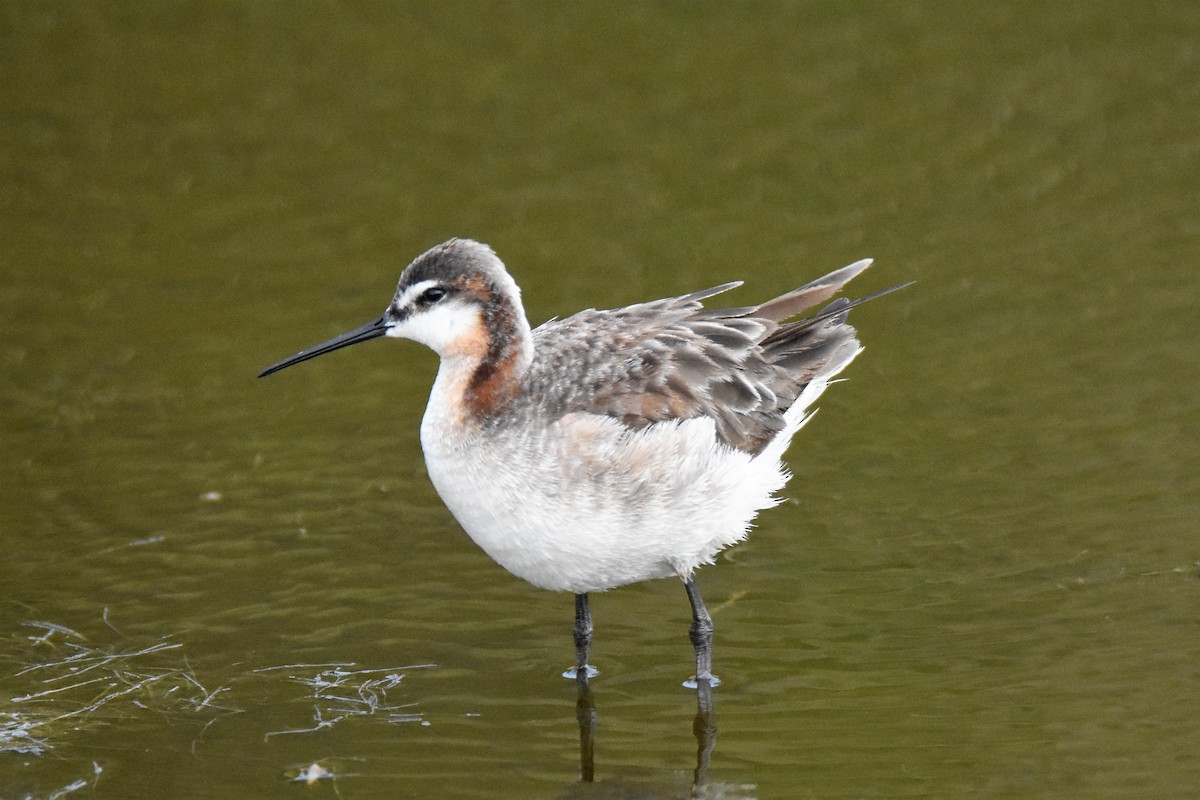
(584, 504)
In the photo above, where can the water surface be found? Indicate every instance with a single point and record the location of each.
(984, 582)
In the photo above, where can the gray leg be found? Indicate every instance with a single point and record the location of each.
(701, 634)
(583, 640)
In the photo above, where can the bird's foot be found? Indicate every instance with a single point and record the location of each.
(694, 682)
(573, 672)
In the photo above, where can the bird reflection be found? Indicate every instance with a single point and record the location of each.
(703, 727)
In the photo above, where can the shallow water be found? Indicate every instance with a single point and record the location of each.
(984, 581)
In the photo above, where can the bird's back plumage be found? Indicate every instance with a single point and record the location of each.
(672, 359)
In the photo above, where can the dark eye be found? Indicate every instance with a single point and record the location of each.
(431, 296)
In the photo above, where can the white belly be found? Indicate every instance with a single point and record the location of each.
(585, 505)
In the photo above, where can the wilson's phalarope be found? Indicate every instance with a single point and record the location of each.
(612, 446)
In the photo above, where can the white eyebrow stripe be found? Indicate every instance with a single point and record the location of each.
(413, 292)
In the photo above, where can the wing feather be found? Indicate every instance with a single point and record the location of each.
(671, 359)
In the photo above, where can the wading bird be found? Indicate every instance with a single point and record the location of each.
(613, 446)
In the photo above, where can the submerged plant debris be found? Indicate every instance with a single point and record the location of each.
(339, 692)
(57, 682)
(65, 683)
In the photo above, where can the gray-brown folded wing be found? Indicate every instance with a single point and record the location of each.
(672, 359)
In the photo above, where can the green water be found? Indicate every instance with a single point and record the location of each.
(984, 582)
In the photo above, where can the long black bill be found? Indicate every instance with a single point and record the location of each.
(362, 333)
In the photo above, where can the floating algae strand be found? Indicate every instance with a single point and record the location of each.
(64, 683)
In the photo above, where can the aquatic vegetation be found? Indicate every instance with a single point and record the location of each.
(63, 682)
(70, 683)
(339, 692)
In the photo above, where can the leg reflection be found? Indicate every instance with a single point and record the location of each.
(704, 726)
(585, 714)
